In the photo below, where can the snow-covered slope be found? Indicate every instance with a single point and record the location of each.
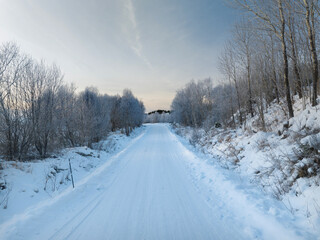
(283, 162)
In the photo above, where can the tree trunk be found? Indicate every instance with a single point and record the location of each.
(274, 80)
(249, 82)
(294, 59)
(285, 60)
(311, 35)
(231, 104)
(238, 101)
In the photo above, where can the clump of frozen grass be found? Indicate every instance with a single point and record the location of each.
(195, 137)
(55, 175)
(5, 190)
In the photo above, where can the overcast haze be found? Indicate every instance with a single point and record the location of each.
(150, 47)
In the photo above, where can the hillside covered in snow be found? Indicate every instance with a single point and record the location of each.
(284, 161)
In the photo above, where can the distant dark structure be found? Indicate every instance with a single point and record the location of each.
(159, 111)
(158, 116)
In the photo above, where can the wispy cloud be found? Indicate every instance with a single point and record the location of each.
(131, 28)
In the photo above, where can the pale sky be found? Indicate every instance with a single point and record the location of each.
(153, 47)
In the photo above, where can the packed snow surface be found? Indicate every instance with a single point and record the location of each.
(156, 188)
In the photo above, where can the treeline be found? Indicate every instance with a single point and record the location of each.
(272, 55)
(39, 113)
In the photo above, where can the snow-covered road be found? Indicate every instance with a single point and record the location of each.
(144, 192)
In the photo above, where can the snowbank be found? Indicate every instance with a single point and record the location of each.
(25, 184)
(284, 162)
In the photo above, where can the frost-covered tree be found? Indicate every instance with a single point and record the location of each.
(131, 111)
(193, 104)
(39, 113)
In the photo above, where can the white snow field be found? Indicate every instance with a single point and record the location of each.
(149, 191)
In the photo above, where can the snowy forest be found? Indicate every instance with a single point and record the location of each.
(272, 55)
(261, 118)
(235, 155)
(40, 113)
